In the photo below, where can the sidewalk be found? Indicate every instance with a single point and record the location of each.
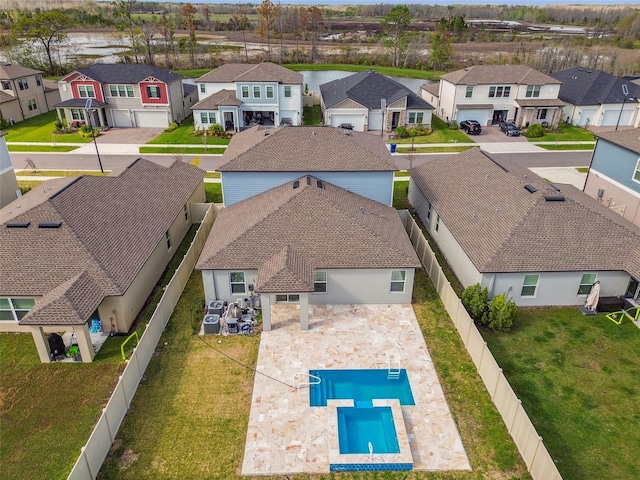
(113, 148)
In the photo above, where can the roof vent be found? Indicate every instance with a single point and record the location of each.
(530, 188)
(266, 133)
(49, 224)
(18, 224)
(308, 180)
(296, 184)
(347, 133)
(313, 132)
(554, 198)
(319, 184)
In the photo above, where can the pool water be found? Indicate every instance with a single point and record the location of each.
(359, 427)
(359, 385)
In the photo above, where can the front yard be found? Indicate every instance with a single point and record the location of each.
(565, 133)
(441, 134)
(41, 129)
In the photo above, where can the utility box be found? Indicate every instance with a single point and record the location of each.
(215, 307)
(211, 324)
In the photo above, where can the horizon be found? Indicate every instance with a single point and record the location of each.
(586, 3)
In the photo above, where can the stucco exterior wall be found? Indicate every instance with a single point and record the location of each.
(8, 183)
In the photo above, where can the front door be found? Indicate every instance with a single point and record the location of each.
(395, 119)
(499, 116)
(633, 289)
(229, 124)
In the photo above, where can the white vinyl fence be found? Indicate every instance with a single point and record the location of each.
(97, 447)
(539, 463)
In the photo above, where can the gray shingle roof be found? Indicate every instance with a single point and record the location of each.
(242, 72)
(286, 271)
(126, 73)
(368, 88)
(109, 228)
(502, 227)
(584, 86)
(212, 102)
(305, 149)
(11, 71)
(329, 226)
(498, 74)
(629, 139)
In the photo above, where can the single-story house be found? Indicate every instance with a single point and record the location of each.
(370, 101)
(306, 242)
(84, 251)
(504, 227)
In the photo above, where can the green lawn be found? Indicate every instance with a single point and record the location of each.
(566, 133)
(392, 71)
(39, 148)
(577, 377)
(213, 192)
(40, 129)
(568, 146)
(312, 116)
(184, 150)
(441, 134)
(182, 136)
(432, 149)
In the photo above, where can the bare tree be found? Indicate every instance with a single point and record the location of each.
(189, 20)
(148, 32)
(268, 12)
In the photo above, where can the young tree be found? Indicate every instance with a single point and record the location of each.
(124, 21)
(268, 12)
(311, 21)
(167, 30)
(45, 26)
(441, 49)
(394, 26)
(148, 32)
(241, 22)
(189, 21)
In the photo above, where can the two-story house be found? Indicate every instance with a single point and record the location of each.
(124, 95)
(238, 96)
(24, 93)
(9, 189)
(614, 174)
(491, 94)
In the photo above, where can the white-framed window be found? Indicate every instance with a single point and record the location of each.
(207, 117)
(203, 88)
(237, 283)
(269, 91)
(86, 91)
(185, 210)
(121, 91)
(153, 91)
(499, 91)
(469, 92)
(287, 298)
(586, 282)
(244, 91)
(636, 173)
(23, 84)
(437, 227)
(416, 117)
(31, 104)
(533, 91)
(542, 113)
(167, 237)
(6, 85)
(319, 282)
(257, 91)
(14, 309)
(287, 91)
(530, 285)
(398, 279)
(77, 114)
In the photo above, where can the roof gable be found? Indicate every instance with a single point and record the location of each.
(124, 73)
(286, 271)
(242, 72)
(10, 71)
(498, 74)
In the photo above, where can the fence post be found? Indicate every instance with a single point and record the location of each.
(495, 389)
(84, 455)
(515, 414)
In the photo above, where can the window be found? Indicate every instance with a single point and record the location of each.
(86, 91)
(588, 279)
(203, 88)
(416, 117)
(499, 91)
(319, 282)
(437, 227)
(287, 91)
(121, 90)
(269, 90)
(237, 283)
(469, 93)
(23, 84)
(77, 114)
(636, 174)
(38, 80)
(530, 285)
(153, 91)
(398, 277)
(167, 236)
(256, 91)
(245, 91)
(542, 113)
(429, 212)
(185, 210)
(284, 298)
(31, 104)
(533, 91)
(6, 85)
(207, 117)
(15, 308)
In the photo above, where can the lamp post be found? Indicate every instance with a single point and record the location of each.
(87, 107)
(625, 92)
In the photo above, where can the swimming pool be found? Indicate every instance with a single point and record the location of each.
(367, 430)
(361, 386)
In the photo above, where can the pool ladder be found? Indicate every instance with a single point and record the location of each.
(313, 380)
(393, 371)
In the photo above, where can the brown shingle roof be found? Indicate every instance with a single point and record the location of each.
(499, 74)
(10, 71)
(629, 139)
(331, 227)
(242, 72)
(294, 149)
(502, 227)
(286, 271)
(212, 102)
(109, 228)
(539, 102)
(432, 88)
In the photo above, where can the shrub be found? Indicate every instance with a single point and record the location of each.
(4, 123)
(402, 132)
(172, 126)
(453, 125)
(87, 132)
(502, 313)
(197, 133)
(58, 124)
(216, 130)
(474, 299)
(534, 131)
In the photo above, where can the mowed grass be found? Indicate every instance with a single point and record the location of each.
(312, 116)
(577, 377)
(433, 149)
(184, 150)
(182, 136)
(41, 129)
(565, 133)
(39, 148)
(441, 134)
(568, 146)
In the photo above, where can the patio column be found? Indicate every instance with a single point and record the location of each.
(84, 343)
(265, 303)
(304, 311)
(42, 344)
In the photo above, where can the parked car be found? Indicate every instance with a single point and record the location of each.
(348, 126)
(510, 129)
(471, 127)
(286, 122)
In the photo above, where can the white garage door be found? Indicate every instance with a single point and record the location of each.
(356, 120)
(610, 118)
(121, 118)
(586, 115)
(375, 120)
(481, 116)
(151, 119)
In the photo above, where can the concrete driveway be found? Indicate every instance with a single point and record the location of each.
(493, 135)
(136, 136)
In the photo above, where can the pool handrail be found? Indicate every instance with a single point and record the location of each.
(317, 380)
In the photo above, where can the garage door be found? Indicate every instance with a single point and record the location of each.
(356, 120)
(481, 116)
(610, 118)
(586, 115)
(375, 120)
(120, 118)
(151, 119)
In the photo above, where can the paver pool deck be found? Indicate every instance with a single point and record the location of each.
(286, 435)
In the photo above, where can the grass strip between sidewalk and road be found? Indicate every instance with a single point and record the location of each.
(184, 150)
(433, 149)
(40, 148)
(566, 146)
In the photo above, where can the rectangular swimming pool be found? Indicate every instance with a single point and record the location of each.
(361, 386)
(367, 430)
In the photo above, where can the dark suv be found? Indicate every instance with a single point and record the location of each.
(510, 129)
(471, 127)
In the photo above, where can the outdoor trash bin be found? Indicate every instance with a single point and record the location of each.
(392, 148)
